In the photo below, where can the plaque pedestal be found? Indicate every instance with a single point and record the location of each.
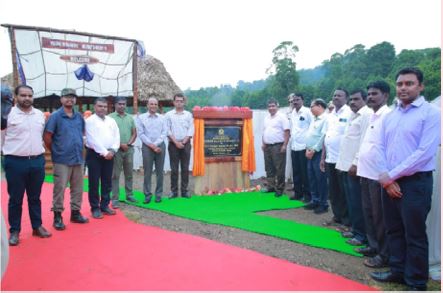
(222, 147)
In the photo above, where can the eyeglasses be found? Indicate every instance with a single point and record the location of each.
(69, 97)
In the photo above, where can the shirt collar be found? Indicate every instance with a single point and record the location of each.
(382, 109)
(416, 103)
(152, 115)
(20, 111)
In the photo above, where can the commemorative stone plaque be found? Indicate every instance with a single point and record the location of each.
(221, 141)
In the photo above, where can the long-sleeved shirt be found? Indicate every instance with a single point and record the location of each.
(335, 129)
(352, 139)
(368, 163)
(316, 133)
(102, 134)
(24, 133)
(151, 128)
(409, 139)
(300, 121)
(180, 124)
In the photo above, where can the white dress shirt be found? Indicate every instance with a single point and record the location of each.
(368, 165)
(24, 133)
(102, 134)
(274, 128)
(352, 139)
(180, 124)
(300, 122)
(335, 129)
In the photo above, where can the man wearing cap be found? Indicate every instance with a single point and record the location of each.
(123, 158)
(24, 163)
(64, 137)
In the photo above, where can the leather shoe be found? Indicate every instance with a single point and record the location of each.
(186, 195)
(347, 234)
(97, 214)
(366, 251)
(278, 194)
(77, 217)
(310, 206)
(13, 239)
(416, 288)
(147, 198)
(320, 210)
(41, 232)
(108, 211)
(174, 195)
(375, 262)
(267, 190)
(131, 199)
(158, 199)
(296, 197)
(388, 276)
(354, 241)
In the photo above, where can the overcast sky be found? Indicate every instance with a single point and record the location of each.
(212, 42)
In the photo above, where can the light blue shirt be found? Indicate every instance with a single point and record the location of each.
(316, 133)
(409, 139)
(151, 128)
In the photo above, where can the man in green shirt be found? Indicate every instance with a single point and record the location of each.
(123, 159)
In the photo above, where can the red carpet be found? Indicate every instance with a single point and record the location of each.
(117, 254)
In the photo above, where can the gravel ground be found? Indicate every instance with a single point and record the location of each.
(345, 265)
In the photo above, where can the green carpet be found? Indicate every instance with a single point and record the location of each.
(239, 210)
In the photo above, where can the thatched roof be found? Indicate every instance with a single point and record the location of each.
(153, 81)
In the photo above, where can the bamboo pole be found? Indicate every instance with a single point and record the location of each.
(14, 58)
(134, 81)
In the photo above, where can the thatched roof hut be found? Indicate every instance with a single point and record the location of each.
(153, 81)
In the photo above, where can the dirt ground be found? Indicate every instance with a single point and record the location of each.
(345, 265)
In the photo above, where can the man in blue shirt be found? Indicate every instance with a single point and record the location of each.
(64, 137)
(409, 139)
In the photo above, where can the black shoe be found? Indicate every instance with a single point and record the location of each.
(115, 204)
(416, 288)
(174, 195)
(77, 217)
(158, 199)
(14, 239)
(41, 232)
(296, 197)
(108, 211)
(97, 214)
(320, 210)
(366, 251)
(376, 262)
(311, 206)
(131, 199)
(354, 241)
(347, 234)
(147, 198)
(278, 194)
(186, 195)
(58, 221)
(388, 276)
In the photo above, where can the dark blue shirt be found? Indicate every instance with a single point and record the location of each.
(67, 138)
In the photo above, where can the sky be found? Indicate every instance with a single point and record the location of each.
(214, 42)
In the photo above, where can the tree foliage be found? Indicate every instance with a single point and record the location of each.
(353, 69)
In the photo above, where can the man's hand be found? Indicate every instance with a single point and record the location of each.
(394, 190)
(283, 149)
(263, 147)
(157, 150)
(179, 145)
(124, 147)
(109, 156)
(322, 165)
(385, 180)
(353, 170)
(309, 154)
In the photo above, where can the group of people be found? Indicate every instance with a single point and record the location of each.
(108, 141)
(373, 163)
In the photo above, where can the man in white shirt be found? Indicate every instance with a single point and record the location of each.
(24, 163)
(102, 142)
(301, 118)
(347, 161)
(275, 140)
(335, 129)
(180, 131)
(152, 131)
(368, 170)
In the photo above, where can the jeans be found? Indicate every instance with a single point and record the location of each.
(23, 174)
(317, 181)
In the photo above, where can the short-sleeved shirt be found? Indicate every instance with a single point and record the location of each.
(125, 125)
(274, 128)
(335, 130)
(67, 137)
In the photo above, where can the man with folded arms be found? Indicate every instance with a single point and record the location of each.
(102, 142)
(64, 137)
(24, 163)
(409, 138)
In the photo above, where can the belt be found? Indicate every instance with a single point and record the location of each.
(25, 157)
(274, 143)
(416, 176)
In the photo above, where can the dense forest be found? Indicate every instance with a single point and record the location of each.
(353, 69)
